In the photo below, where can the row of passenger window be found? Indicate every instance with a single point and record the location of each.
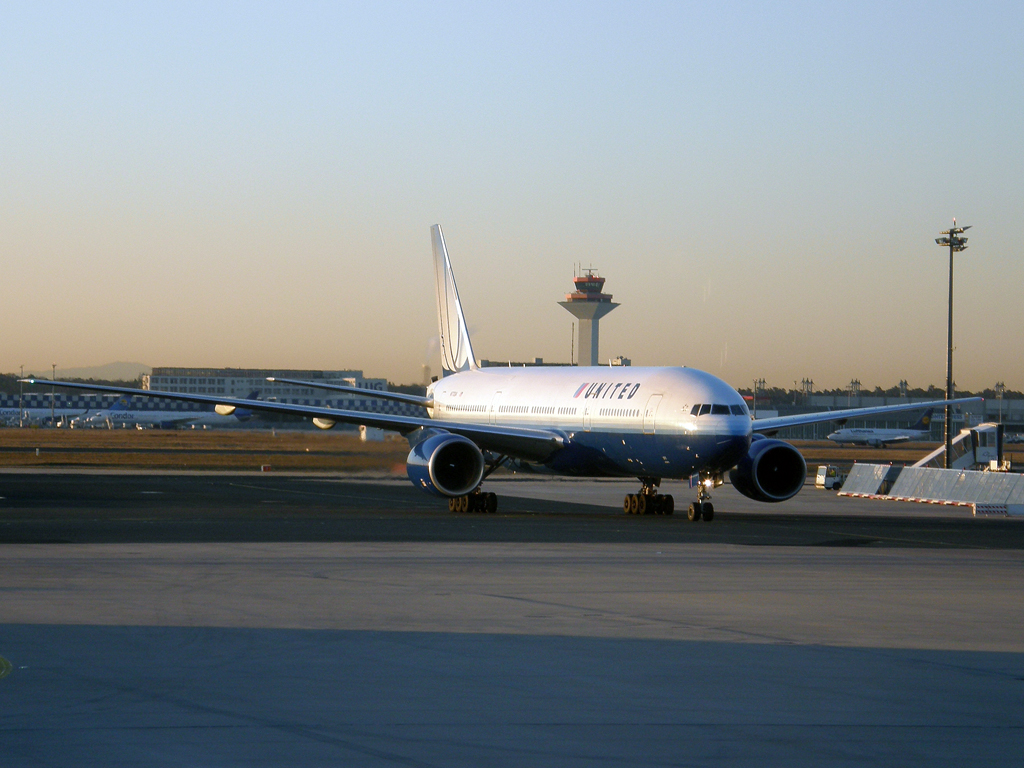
(717, 409)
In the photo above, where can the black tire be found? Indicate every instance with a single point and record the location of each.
(451, 503)
(693, 513)
(641, 504)
(625, 504)
(668, 504)
(708, 511)
(492, 503)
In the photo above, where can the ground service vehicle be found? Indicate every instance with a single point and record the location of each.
(829, 477)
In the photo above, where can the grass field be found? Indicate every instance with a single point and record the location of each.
(254, 449)
(192, 449)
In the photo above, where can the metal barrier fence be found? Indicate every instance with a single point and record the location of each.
(987, 493)
(864, 480)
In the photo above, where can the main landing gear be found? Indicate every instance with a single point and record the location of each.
(649, 501)
(477, 501)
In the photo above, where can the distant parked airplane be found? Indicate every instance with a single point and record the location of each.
(121, 414)
(14, 416)
(879, 438)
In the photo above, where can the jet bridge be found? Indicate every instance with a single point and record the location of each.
(973, 448)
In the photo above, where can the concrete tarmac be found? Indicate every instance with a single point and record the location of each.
(164, 619)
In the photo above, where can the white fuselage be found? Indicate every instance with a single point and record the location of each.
(14, 415)
(116, 418)
(642, 420)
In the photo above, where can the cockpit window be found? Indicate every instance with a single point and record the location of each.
(719, 410)
(695, 410)
(737, 410)
(705, 408)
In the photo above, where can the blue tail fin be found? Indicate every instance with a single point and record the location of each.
(456, 348)
(925, 422)
(244, 414)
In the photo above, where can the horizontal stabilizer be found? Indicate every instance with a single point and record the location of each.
(399, 397)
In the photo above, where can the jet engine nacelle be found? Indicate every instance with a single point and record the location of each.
(772, 470)
(446, 465)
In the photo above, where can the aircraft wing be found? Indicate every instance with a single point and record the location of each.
(897, 439)
(774, 424)
(397, 396)
(518, 442)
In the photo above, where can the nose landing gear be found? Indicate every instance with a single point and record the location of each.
(702, 508)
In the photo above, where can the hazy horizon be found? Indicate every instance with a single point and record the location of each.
(253, 185)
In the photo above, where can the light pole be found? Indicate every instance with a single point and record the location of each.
(955, 243)
(1000, 388)
(21, 398)
(852, 391)
(758, 384)
(53, 396)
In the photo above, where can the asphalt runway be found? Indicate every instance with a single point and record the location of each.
(85, 506)
(195, 619)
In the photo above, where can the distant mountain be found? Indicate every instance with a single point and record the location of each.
(108, 372)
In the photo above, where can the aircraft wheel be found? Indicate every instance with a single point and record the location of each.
(452, 501)
(656, 504)
(641, 504)
(491, 503)
(625, 503)
(708, 511)
(667, 504)
(693, 513)
(634, 503)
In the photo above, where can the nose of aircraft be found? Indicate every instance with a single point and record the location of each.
(730, 448)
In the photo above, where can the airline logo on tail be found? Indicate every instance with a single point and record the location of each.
(456, 349)
(926, 421)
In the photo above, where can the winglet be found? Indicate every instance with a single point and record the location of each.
(456, 349)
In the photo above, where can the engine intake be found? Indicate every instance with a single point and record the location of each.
(771, 471)
(446, 465)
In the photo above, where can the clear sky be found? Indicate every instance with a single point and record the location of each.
(252, 184)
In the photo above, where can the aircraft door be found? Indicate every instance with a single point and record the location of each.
(492, 415)
(650, 413)
(586, 418)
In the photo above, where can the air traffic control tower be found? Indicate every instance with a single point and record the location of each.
(589, 305)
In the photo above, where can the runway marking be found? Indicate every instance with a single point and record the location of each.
(5, 667)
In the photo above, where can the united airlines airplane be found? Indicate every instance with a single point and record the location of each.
(649, 423)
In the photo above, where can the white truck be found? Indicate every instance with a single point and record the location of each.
(829, 477)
